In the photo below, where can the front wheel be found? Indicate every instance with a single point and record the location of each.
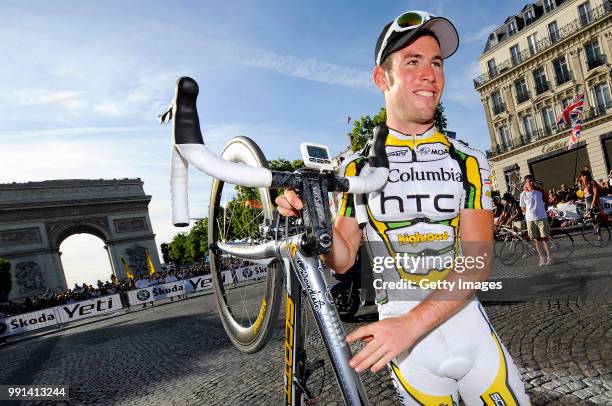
(248, 294)
(596, 233)
(562, 245)
(511, 251)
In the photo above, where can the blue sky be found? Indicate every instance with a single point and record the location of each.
(82, 82)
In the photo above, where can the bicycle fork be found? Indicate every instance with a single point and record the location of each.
(306, 275)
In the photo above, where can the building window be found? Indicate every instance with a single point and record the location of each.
(548, 118)
(522, 94)
(529, 128)
(504, 136)
(602, 98)
(594, 57)
(532, 41)
(584, 10)
(553, 32)
(562, 73)
(497, 102)
(529, 16)
(549, 5)
(515, 55)
(493, 39)
(541, 84)
(512, 28)
(492, 68)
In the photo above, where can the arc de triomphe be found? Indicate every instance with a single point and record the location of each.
(35, 218)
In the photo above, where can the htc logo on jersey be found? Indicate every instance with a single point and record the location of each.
(437, 202)
(441, 175)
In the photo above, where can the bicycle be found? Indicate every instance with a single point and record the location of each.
(517, 246)
(594, 231)
(290, 251)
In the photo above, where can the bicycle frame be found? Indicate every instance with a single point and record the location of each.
(304, 275)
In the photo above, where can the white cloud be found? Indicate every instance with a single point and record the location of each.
(35, 97)
(479, 36)
(309, 69)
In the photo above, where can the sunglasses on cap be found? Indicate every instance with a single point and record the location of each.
(406, 21)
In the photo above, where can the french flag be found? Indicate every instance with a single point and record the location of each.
(573, 110)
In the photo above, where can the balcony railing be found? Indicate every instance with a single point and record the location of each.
(596, 61)
(498, 108)
(522, 96)
(564, 77)
(542, 87)
(564, 32)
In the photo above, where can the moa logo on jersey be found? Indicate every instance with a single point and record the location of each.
(432, 150)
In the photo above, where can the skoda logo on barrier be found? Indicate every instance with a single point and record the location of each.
(247, 273)
(2, 328)
(143, 295)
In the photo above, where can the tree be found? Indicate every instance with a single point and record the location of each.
(178, 248)
(363, 129)
(165, 250)
(440, 119)
(196, 243)
(281, 164)
(6, 281)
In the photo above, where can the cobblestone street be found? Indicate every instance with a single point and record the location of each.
(178, 353)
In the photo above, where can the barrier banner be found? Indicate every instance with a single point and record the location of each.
(251, 272)
(198, 284)
(606, 204)
(140, 296)
(168, 290)
(88, 308)
(28, 322)
(572, 210)
(227, 277)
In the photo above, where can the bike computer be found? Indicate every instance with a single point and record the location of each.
(316, 156)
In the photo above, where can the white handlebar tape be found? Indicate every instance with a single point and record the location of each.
(370, 183)
(178, 189)
(231, 172)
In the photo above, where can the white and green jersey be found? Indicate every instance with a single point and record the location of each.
(416, 215)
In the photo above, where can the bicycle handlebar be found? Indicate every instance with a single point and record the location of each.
(189, 148)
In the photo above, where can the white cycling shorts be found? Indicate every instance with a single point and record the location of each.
(463, 357)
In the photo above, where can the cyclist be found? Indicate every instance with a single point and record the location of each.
(590, 189)
(438, 343)
(512, 214)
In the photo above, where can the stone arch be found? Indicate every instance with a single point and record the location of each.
(35, 218)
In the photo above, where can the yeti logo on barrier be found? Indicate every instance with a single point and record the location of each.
(143, 295)
(80, 310)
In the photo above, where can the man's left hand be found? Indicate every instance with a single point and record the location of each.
(385, 340)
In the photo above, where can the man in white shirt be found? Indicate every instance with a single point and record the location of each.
(532, 203)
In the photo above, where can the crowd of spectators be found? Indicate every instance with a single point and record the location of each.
(84, 291)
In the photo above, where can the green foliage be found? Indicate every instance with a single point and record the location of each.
(363, 129)
(439, 118)
(165, 250)
(282, 164)
(189, 247)
(6, 282)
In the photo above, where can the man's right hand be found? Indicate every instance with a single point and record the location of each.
(289, 204)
